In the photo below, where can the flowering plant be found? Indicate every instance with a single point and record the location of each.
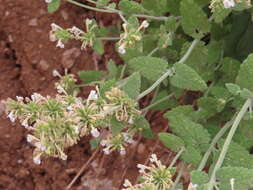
(190, 58)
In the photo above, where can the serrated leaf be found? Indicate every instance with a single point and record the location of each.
(169, 103)
(194, 20)
(98, 46)
(171, 141)
(173, 6)
(245, 75)
(199, 177)
(186, 78)
(219, 11)
(149, 67)
(130, 7)
(192, 133)
(113, 70)
(106, 86)
(53, 6)
(143, 125)
(245, 93)
(94, 143)
(233, 88)
(155, 7)
(132, 85)
(185, 110)
(243, 178)
(90, 75)
(102, 3)
(191, 156)
(229, 70)
(116, 126)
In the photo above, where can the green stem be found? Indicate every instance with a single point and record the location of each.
(228, 140)
(176, 157)
(213, 143)
(153, 98)
(158, 102)
(179, 175)
(111, 10)
(169, 71)
(89, 7)
(108, 38)
(153, 51)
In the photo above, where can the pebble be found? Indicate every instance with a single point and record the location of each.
(33, 22)
(43, 65)
(69, 56)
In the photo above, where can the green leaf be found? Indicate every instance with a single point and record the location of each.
(143, 125)
(130, 7)
(94, 143)
(113, 70)
(192, 133)
(243, 178)
(53, 6)
(102, 3)
(169, 103)
(116, 126)
(219, 11)
(106, 86)
(186, 78)
(191, 156)
(194, 20)
(171, 141)
(245, 76)
(173, 6)
(245, 93)
(98, 46)
(90, 76)
(132, 85)
(149, 67)
(199, 177)
(233, 88)
(155, 7)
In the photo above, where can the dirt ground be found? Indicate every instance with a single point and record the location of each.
(27, 59)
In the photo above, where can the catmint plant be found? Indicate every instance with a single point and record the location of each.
(190, 60)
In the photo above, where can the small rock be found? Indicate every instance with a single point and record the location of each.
(33, 22)
(69, 56)
(65, 15)
(43, 65)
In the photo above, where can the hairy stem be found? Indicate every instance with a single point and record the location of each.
(213, 143)
(170, 71)
(176, 157)
(228, 140)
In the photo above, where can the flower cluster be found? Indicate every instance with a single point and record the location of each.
(155, 177)
(63, 35)
(57, 123)
(131, 35)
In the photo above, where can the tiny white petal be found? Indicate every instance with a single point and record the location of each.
(106, 150)
(60, 44)
(145, 24)
(121, 50)
(122, 151)
(37, 160)
(95, 133)
(48, 1)
(93, 95)
(12, 117)
(228, 3)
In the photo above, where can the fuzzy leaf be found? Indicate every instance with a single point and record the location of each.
(186, 78)
(98, 46)
(113, 70)
(245, 76)
(130, 7)
(143, 125)
(90, 76)
(171, 141)
(132, 85)
(155, 7)
(191, 156)
(194, 20)
(116, 126)
(53, 6)
(199, 177)
(233, 88)
(243, 178)
(149, 67)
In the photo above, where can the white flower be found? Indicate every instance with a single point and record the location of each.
(25, 123)
(121, 50)
(40, 146)
(60, 44)
(76, 31)
(19, 98)
(228, 3)
(122, 151)
(29, 138)
(153, 158)
(37, 160)
(127, 183)
(93, 95)
(12, 117)
(95, 133)
(141, 168)
(55, 73)
(145, 24)
(106, 150)
(103, 142)
(64, 157)
(55, 27)
(48, 1)
(36, 97)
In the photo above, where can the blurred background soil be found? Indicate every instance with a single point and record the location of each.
(27, 59)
